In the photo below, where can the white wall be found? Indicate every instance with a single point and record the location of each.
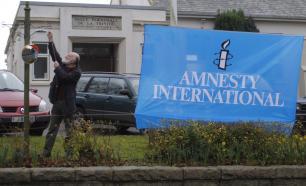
(135, 65)
(40, 12)
(130, 2)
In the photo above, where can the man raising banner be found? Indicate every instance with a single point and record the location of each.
(62, 95)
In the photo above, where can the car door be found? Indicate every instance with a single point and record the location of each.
(120, 107)
(95, 97)
(81, 92)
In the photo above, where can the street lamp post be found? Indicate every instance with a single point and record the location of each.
(29, 55)
(26, 85)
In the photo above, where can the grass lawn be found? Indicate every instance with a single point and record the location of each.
(127, 147)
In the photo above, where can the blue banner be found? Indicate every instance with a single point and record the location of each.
(207, 75)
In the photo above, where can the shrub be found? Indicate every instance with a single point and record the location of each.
(215, 144)
(86, 148)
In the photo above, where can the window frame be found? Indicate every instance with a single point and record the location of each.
(90, 83)
(87, 84)
(41, 55)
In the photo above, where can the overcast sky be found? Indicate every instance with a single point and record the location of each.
(8, 11)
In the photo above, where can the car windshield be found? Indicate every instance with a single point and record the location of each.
(135, 83)
(9, 82)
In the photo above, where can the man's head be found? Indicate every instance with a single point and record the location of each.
(71, 60)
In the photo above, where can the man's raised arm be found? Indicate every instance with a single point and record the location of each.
(52, 50)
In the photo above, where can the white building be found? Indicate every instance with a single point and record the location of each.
(110, 37)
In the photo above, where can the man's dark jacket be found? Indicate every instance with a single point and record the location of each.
(66, 79)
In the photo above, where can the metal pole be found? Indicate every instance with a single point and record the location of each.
(27, 24)
(173, 12)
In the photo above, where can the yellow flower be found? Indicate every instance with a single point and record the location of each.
(223, 143)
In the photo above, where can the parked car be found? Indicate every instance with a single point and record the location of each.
(301, 116)
(12, 106)
(108, 97)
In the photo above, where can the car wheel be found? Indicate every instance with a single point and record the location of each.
(38, 128)
(37, 132)
(122, 130)
(143, 131)
(299, 128)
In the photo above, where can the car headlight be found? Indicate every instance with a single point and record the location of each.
(43, 106)
(298, 107)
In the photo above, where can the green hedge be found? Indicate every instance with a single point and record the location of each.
(217, 144)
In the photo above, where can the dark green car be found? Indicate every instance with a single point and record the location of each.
(108, 98)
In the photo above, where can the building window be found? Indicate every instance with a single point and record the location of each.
(40, 69)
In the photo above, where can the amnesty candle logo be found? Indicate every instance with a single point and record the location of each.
(224, 56)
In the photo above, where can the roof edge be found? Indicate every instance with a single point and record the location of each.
(213, 15)
(84, 5)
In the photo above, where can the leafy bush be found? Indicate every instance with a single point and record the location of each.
(85, 147)
(235, 20)
(217, 144)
